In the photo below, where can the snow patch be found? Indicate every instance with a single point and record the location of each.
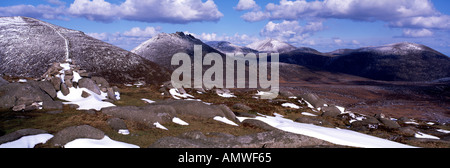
(443, 131)
(290, 105)
(94, 101)
(27, 141)
(226, 95)
(177, 95)
(179, 121)
(158, 125)
(427, 136)
(309, 114)
(105, 142)
(124, 131)
(148, 101)
(333, 135)
(225, 120)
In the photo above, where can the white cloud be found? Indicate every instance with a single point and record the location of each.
(168, 11)
(398, 13)
(338, 41)
(246, 5)
(417, 33)
(138, 32)
(290, 31)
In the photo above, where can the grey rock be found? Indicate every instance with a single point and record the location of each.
(270, 139)
(71, 133)
(15, 94)
(147, 114)
(257, 124)
(64, 89)
(313, 99)
(52, 105)
(101, 82)
(116, 124)
(241, 106)
(20, 133)
(19, 107)
(89, 84)
(56, 82)
(85, 94)
(311, 120)
(286, 93)
(111, 94)
(330, 111)
(389, 123)
(47, 87)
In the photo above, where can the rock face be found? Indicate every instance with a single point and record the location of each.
(28, 46)
(270, 139)
(71, 133)
(27, 97)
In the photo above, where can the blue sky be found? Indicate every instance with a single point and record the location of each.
(325, 25)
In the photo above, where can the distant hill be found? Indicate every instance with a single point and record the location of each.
(227, 47)
(271, 46)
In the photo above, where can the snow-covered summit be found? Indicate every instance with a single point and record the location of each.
(163, 46)
(402, 48)
(271, 45)
(227, 47)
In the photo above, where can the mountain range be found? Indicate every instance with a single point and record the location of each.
(29, 46)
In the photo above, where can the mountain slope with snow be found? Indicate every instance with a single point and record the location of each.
(29, 46)
(271, 45)
(162, 47)
(227, 47)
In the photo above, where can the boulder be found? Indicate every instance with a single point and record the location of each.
(242, 107)
(46, 86)
(89, 84)
(116, 124)
(286, 93)
(111, 95)
(21, 95)
(64, 89)
(85, 94)
(71, 133)
(198, 109)
(330, 111)
(56, 82)
(52, 105)
(389, 123)
(313, 120)
(20, 133)
(252, 123)
(270, 139)
(101, 82)
(147, 115)
(313, 99)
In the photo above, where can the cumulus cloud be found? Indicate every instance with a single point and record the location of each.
(128, 39)
(168, 11)
(399, 13)
(290, 31)
(39, 11)
(138, 32)
(417, 33)
(246, 5)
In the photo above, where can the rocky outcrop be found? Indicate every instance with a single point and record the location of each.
(71, 133)
(270, 139)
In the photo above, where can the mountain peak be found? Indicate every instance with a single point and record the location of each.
(271, 45)
(227, 47)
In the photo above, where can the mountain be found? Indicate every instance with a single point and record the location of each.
(28, 47)
(272, 46)
(393, 62)
(162, 47)
(227, 47)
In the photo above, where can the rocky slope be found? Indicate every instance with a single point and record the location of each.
(227, 47)
(29, 46)
(162, 47)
